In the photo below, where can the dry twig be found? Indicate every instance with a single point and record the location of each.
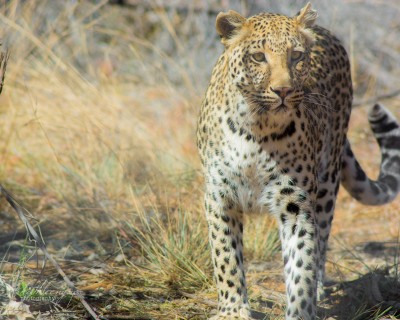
(375, 99)
(3, 65)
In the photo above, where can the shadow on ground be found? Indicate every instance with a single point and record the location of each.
(374, 295)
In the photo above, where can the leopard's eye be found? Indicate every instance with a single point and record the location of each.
(258, 57)
(296, 56)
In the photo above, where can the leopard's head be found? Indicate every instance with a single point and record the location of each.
(268, 56)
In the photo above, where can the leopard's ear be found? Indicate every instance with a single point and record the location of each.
(305, 20)
(229, 24)
(307, 16)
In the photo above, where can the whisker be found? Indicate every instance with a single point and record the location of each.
(315, 101)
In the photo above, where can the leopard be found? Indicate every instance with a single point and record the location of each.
(272, 139)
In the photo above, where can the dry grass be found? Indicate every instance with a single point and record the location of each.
(97, 121)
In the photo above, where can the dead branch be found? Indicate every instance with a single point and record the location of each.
(376, 99)
(181, 7)
(3, 65)
(21, 213)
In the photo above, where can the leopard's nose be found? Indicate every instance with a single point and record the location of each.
(282, 91)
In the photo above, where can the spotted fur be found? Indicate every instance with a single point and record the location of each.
(272, 138)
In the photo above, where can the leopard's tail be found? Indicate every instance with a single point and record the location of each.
(383, 190)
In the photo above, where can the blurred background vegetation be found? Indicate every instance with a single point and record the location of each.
(97, 127)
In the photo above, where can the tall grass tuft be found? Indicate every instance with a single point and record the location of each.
(174, 248)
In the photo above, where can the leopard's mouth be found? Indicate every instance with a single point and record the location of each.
(277, 107)
(286, 105)
(264, 108)
(281, 108)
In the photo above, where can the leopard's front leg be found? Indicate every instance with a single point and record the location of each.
(299, 234)
(225, 234)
